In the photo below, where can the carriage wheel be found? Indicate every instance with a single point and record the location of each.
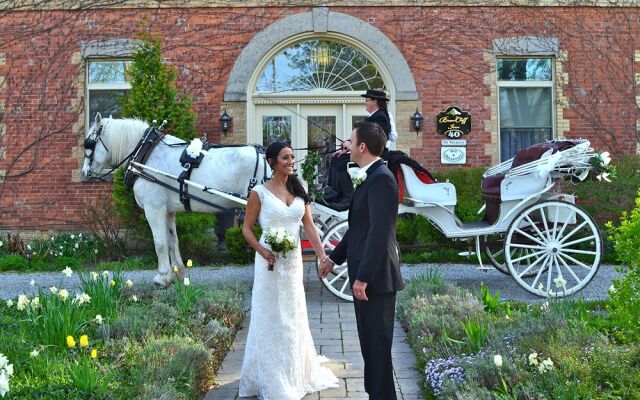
(494, 250)
(563, 246)
(338, 281)
(321, 225)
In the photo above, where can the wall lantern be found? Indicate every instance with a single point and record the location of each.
(416, 121)
(225, 121)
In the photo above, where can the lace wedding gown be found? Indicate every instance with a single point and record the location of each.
(280, 360)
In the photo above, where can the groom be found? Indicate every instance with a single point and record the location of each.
(370, 247)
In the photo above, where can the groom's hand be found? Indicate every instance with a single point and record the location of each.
(326, 266)
(359, 290)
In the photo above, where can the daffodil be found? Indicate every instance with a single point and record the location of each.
(35, 353)
(9, 303)
(105, 273)
(497, 360)
(35, 302)
(67, 271)
(32, 283)
(189, 263)
(94, 353)
(99, 319)
(53, 289)
(4, 384)
(175, 268)
(71, 343)
(112, 283)
(84, 341)
(129, 283)
(560, 282)
(134, 298)
(533, 359)
(63, 294)
(23, 302)
(94, 276)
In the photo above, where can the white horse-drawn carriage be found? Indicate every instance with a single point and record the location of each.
(550, 246)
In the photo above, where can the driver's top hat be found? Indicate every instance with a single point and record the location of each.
(375, 94)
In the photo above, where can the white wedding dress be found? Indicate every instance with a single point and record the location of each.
(280, 360)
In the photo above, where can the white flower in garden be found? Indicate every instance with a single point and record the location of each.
(129, 283)
(32, 283)
(94, 275)
(95, 251)
(29, 247)
(4, 384)
(560, 282)
(63, 294)
(105, 273)
(604, 176)
(497, 360)
(67, 271)
(0, 243)
(53, 289)
(82, 298)
(73, 236)
(76, 245)
(545, 306)
(9, 369)
(23, 302)
(187, 282)
(35, 353)
(99, 319)
(189, 263)
(52, 238)
(9, 303)
(35, 302)
(175, 268)
(533, 359)
(612, 289)
(134, 298)
(80, 235)
(3, 360)
(548, 364)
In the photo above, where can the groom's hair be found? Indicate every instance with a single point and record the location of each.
(372, 135)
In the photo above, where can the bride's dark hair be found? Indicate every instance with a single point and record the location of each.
(294, 186)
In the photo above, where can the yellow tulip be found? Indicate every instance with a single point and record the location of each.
(112, 283)
(175, 268)
(189, 263)
(84, 341)
(94, 353)
(71, 342)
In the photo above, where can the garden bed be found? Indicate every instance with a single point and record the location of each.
(116, 339)
(473, 346)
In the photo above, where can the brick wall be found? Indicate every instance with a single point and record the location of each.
(448, 50)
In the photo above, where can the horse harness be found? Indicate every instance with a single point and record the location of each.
(149, 141)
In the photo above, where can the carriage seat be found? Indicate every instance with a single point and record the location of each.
(443, 194)
(497, 188)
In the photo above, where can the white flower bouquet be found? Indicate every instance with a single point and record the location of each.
(280, 240)
(602, 168)
(6, 370)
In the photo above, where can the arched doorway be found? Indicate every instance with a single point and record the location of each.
(308, 93)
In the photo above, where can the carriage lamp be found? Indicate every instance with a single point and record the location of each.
(416, 121)
(225, 121)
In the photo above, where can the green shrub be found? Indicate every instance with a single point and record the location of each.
(406, 230)
(13, 262)
(239, 250)
(624, 307)
(196, 235)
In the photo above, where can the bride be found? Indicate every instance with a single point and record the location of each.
(280, 360)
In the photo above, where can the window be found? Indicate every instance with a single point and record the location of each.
(106, 84)
(319, 65)
(526, 103)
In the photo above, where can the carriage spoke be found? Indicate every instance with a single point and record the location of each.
(575, 261)
(344, 286)
(528, 256)
(573, 231)
(549, 273)
(340, 275)
(587, 252)
(533, 265)
(535, 281)
(535, 227)
(555, 222)
(570, 270)
(579, 240)
(564, 226)
(555, 261)
(527, 246)
(544, 222)
(525, 234)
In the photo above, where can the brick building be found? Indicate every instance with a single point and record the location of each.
(525, 70)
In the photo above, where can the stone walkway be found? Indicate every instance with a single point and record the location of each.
(333, 327)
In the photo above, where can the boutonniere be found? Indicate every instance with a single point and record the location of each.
(358, 176)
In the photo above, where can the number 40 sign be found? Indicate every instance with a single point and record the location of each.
(453, 122)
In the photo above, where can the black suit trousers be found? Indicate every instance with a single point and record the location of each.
(375, 319)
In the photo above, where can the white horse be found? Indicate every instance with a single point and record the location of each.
(227, 169)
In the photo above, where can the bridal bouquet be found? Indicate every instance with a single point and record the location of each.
(280, 240)
(602, 168)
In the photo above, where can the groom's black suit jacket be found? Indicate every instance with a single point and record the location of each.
(369, 245)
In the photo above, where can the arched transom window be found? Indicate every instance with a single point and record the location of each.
(319, 65)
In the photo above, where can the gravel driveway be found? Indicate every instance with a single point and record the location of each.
(464, 275)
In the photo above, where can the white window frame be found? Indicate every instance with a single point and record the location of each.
(99, 86)
(527, 84)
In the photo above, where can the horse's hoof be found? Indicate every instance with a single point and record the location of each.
(160, 281)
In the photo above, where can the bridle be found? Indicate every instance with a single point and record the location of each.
(90, 144)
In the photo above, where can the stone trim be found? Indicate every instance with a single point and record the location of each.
(3, 127)
(526, 45)
(314, 22)
(636, 58)
(68, 5)
(112, 48)
(492, 149)
(563, 125)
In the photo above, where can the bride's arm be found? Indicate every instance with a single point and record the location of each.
(312, 233)
(250, 217)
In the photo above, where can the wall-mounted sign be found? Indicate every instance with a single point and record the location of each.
(453, 155)
(453, 123)
(453, 142)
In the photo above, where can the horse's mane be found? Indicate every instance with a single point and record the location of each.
(122, 135)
